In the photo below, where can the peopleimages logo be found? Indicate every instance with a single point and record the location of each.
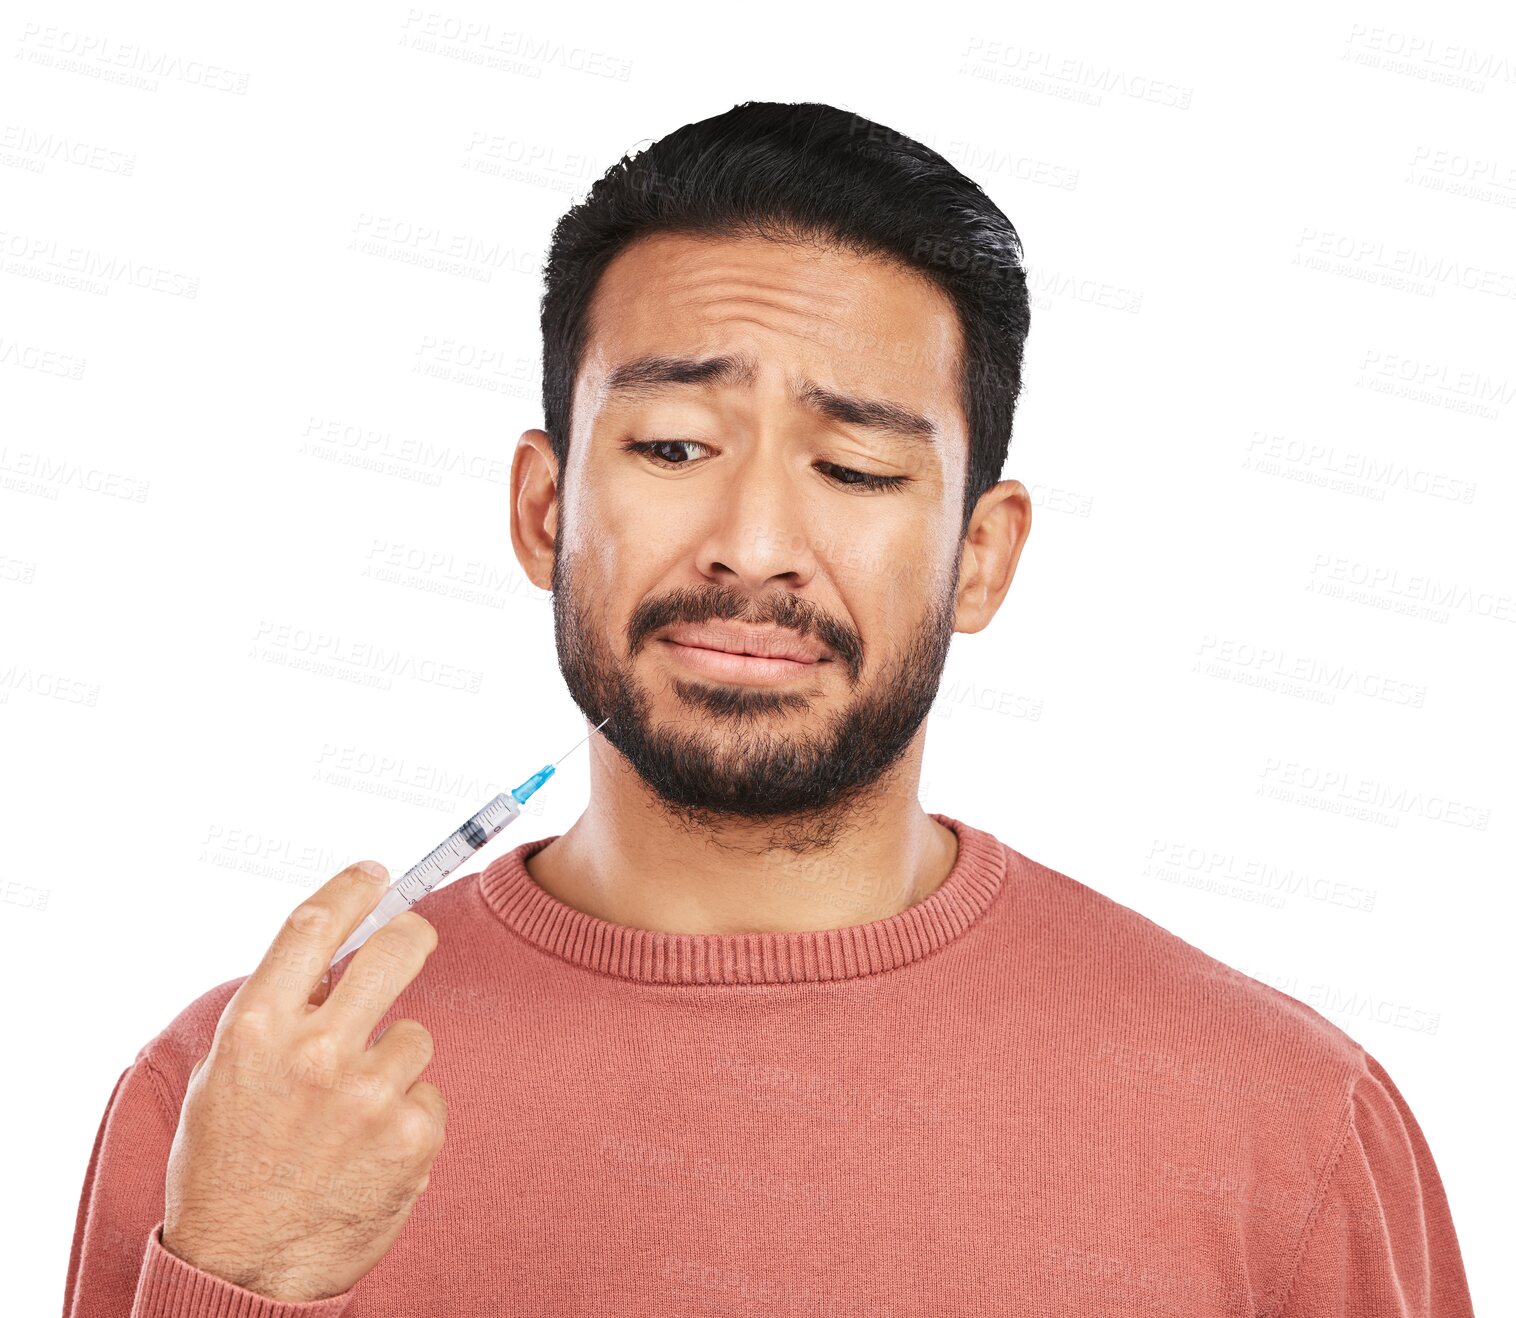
(101, 57)
(46, 259)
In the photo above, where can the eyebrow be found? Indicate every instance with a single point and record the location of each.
(656, 374)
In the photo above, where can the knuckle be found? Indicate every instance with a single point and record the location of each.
(387, 959)
(403, 942)
(248, 1022)
(418, 930)
(320, 1054)
(399, 935)
(413, 1032)
(417, 1130)
(309, 920)
(414, 1043)
(382, 1092)
(429, 1094)
(397, 1042)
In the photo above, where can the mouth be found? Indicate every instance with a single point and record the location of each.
(744, 655)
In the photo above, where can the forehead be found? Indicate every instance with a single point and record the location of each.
(834, 315)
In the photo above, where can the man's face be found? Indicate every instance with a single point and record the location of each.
(709, 510)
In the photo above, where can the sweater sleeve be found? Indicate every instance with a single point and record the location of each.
(1380, 1243)
(117, 1264)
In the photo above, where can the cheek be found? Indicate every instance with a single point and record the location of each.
(893, 568)
(879, 594)
(619, 551)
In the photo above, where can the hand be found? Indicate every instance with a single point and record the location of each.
(300, 1150)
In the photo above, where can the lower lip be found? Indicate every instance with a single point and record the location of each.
(740, 667)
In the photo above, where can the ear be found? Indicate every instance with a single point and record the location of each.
(534, 506)
(998, 530)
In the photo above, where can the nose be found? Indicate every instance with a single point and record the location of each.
(759, 537)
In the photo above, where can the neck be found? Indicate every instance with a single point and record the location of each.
(632, 860)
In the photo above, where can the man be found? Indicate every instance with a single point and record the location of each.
(757, 1034)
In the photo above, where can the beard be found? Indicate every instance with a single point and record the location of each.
(767, 765)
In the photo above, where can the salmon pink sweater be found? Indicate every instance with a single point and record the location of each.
(1015, 1097)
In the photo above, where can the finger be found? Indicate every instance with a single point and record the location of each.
(430, 1098)
(403, 1051)
(292, 967)
(375, 976)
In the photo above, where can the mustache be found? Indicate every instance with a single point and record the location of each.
(696, 604)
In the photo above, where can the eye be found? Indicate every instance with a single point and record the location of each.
(865, 480)
(675, 454)
(651, 447)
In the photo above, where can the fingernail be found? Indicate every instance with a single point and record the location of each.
(372, 867)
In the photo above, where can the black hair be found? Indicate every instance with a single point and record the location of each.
(805, 172)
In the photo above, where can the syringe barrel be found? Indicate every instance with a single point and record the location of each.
(432, 868)
(390, 905)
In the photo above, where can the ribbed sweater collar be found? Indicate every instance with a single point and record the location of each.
(653, 957)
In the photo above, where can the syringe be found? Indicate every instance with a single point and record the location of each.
(443, 859)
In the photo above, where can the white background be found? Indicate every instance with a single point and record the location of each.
(1267, 426)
